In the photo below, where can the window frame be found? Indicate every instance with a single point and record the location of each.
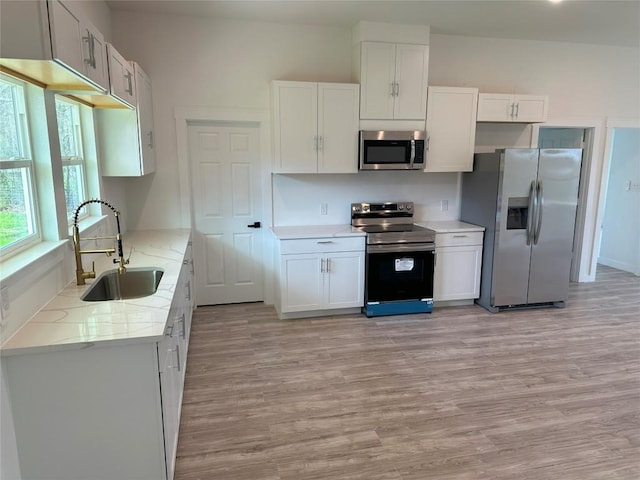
(28, 163)
(75, 160)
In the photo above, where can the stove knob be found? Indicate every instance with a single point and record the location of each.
(400, 207)
(356, 209)
(365, 208)
(408, 207)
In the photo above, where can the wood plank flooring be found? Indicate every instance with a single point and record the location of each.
(458, 394)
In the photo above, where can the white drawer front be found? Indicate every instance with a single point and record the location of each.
(457, 239)
(328, 244)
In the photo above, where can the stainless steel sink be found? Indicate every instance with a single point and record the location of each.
(134, 283)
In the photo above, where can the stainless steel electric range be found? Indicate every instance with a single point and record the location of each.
(400, 259)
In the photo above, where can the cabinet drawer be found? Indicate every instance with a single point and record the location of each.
(460, 238)
(327, 244)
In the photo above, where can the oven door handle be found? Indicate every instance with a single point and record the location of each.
(401, 248)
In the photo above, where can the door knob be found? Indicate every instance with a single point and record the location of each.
(255, 225)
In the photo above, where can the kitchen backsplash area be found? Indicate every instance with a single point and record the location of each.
(325, 199)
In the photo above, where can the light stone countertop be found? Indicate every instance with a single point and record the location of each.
(316, 231)
(67, 322)
(450, 226)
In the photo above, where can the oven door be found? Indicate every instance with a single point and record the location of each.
(399, 272)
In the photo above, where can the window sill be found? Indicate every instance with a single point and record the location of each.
(41, 256)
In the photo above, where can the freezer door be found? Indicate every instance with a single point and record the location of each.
(557, 186)
(511, 253)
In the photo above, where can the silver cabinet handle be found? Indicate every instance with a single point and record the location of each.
(322, 265)
(88, 40)
(460, 236)
(177, 352)
(397, 89)
(150, 142)
(320, 142)
(517, 109)
(189, 290)
(130, 83)
(328, 265)
(393, 89)
(513, 105)
(539, 209)
(182, 320)
(531, 213)
(169, 330)
(324, 242)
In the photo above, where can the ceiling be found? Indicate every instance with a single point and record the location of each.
(603, 22)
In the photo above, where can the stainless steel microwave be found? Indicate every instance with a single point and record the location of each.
(392, 150)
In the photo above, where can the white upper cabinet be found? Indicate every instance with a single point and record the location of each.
(51, 43)
(121, 77)
(393, 79)
(127, 143)
(315, 127)
(498, 107)
(451, 129)
(76, 43)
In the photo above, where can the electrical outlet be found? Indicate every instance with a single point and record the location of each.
(323, 208)
(444, 205)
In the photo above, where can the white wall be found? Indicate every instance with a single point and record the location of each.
(297, 198)
(621, 222)
(214, 63)
(211, 63)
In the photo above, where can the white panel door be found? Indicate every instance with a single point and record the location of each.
(531, 108)
(457, 273)
(338, 124)
(226, 189)
(378, 77)
(69, 41)
(301, 277)
(295, 110)
(494, 107)
(344, 280)
(451, 127)
(411, 82)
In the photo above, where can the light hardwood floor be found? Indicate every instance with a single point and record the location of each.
(458, 394)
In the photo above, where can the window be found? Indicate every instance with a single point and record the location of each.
(73, 171)
(18, 215)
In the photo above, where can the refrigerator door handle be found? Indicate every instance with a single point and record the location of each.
(539, 210)
(532, 211)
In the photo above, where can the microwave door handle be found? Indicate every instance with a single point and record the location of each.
(413, 154)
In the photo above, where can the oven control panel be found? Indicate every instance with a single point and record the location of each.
(385, 207)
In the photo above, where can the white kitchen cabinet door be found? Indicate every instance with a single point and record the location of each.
(338, 125)
(144, 108)
(127, 142)
(457, 273)
(321, 274)
(295, 109)
(121, 77)
(451, 129)
(315, 127)
(531, 108)
(497, 107)
(377, 80)
(344, 280)
(411, 82)
(393, 81)
(301, 282)
(76, 43)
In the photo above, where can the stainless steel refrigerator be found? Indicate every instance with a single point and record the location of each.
(526, 199)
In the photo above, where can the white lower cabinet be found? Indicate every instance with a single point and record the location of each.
(458, 264)
(103, 411)
(321, 274)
